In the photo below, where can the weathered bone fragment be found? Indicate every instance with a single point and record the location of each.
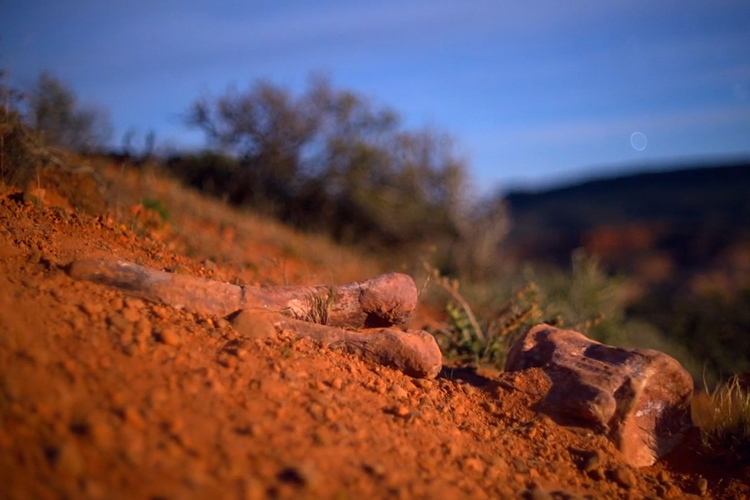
(326, 314)
(414, 352)
(639, 398)
(385, 300)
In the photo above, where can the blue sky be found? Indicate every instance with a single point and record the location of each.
(535, 92)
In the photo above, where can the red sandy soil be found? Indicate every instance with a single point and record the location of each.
(104, 396)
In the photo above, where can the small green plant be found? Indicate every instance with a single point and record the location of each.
(723, 417)
(583, 299)
(465, 339)
(158, 207)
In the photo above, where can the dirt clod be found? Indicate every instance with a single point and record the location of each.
(624, 477)
(592, 460)
(401, 411)
(168, 336)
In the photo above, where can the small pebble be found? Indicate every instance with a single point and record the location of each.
(423, 383)
(142, 330)
(473, 464)
(624, 477)
(133, 417)
(592, 461)
(520, 465)
(119, 322)
(134, 303)
(253, 326)
(660, 490)
(401, 411)
(663, 476)
(131, 315)
(169, 337)
(489, 407)
(161, 312)
(91, 309)
(537, 493)
(597, 474)
(68, 459)
(376, 469)
(398, 391)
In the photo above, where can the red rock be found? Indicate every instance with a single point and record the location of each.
(638, 398)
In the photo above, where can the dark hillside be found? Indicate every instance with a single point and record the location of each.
(693, 212)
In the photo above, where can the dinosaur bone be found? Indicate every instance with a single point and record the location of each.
(323, 313)
(638, 398)
(382, 301)
(414, 352)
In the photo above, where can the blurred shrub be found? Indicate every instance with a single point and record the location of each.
(26, 156)
(712, 327)
(215, 174)
(54, 112)
(22, 150)
(328, 159)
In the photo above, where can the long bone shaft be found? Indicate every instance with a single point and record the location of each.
(382, 301)
(414, 352)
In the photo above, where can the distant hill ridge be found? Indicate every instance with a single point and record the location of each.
(663, 195)
(708, 202)
(669, 172)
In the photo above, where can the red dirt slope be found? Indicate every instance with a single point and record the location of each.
(105, 396)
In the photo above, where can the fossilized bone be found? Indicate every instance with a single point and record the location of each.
(414, 352)
(386, 300)
(638, 398)
(325, 313)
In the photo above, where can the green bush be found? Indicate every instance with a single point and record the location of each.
(486, 317)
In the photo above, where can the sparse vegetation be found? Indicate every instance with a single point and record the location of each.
(465, 340)
(485, 317)
(585, 300)
(723, 417)
(157, 206)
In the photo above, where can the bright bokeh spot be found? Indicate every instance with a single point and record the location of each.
(638, 141)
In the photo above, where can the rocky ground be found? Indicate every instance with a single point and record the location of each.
(103, 395)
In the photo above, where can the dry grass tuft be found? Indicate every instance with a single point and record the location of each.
(723, 417)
